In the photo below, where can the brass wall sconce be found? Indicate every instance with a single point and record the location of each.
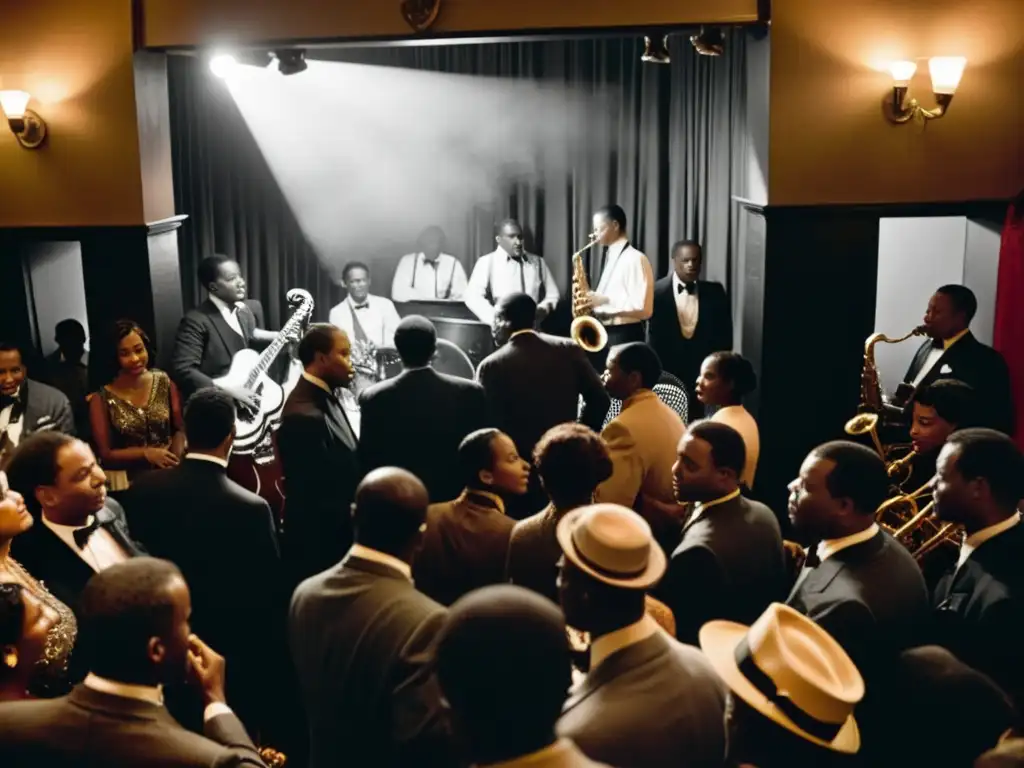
(656, 50)
(945, 71)
(28, 127)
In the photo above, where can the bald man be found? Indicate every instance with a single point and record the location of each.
(363, 670)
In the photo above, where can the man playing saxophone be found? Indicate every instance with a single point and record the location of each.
(624, 297)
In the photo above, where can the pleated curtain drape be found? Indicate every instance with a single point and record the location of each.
(666, 143)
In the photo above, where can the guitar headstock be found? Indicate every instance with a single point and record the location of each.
(298, 297)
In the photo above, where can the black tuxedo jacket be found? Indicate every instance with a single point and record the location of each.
(360, 637)
(534, 382)
(416, 421)
(87, 727)
(317, 450)
(44, 408)
(976, 364)
(681, 356)
(49, 559)
(205, 345)
(222, 537)
(729, 564)
(979, 610)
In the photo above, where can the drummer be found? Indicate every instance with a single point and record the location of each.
(370, 322)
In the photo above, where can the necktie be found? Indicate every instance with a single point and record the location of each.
(82, 535)
(689, 287)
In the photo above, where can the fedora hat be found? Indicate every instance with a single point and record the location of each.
(613, 544)
(791, 671)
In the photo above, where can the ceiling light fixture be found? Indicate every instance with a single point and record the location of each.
(656, 50)
(223, 64)
(710, 41)
(291, 61)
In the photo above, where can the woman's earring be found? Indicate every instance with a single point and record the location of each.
(10, 656)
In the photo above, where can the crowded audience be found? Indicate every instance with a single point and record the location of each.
(547, 567)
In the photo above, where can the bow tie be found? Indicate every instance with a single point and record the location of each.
(6, 400)
(690, 287)
(82, 535)
(813, 559)
(361, 306)
(938, 344)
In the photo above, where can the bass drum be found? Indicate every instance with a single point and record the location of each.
(452, 360)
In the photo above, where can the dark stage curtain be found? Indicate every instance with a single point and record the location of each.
(667, 144)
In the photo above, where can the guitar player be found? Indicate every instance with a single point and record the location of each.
(210, 335)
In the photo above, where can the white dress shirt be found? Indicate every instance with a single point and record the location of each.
(358, 550)
(207, 457)
(829, 547)
(628, 284)
(100, 552)
(377, 316)
(606, 645)
(13, 430)
(687, 306)
(418, 279)
(701, 507)
(934, 354)
(229, 312)
(978, 538)
(152, 694)
(505, 275)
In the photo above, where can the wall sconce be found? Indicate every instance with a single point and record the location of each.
(945, 71)
(28, 127)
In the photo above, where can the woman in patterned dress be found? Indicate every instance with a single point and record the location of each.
(136, 418)
(35, 660)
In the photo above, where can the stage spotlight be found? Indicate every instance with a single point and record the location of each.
(291, 61)
(223, 64)
(710, 41)
(254, 58)
(656, 50)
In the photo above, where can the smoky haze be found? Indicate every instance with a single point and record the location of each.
(367, 156)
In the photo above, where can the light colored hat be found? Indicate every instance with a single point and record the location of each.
(612, 544)
(791, 671)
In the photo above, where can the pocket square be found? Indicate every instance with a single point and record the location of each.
(945, 369)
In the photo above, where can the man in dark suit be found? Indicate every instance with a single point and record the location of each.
(534, 381)
(979, 606)
(435, 409)
(78, 530)
(135, 629)
(222, 538)
(858, 583)
(692, 318)
(361, 636)
(27, 406)
(67, 369)
(210, 335)
(952, 352)
(729, 563)
(648, 701)
(317, 450)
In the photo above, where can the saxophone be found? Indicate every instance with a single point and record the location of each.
(586, 330)
(870, 387)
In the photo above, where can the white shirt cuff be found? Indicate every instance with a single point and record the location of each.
(215, 709)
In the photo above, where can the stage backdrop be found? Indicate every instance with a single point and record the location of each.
(664, 142)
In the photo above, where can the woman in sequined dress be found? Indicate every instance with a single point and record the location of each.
(48, 675)
(136, 418)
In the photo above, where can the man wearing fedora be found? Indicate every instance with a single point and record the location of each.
(782, 710)
(729, 562)
(648, 701)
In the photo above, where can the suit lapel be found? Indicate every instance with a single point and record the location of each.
(818, 579)
(232, 341)
(115, 526)
(918, 361)
(618, 663)
(332, 410)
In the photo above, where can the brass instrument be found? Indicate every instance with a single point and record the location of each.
(866, 424)
(870, 387)
(586, 330)
(916, 527)
(272, 757)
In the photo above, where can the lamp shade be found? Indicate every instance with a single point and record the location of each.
(14, 103)
(946, 72)
(902, 72)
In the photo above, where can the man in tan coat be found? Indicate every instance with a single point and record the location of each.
(642, 441)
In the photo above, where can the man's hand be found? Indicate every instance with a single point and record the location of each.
(206, 669)
(597, 300)
(246, 398)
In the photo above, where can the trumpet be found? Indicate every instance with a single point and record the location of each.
(586, 330)
(914, 526)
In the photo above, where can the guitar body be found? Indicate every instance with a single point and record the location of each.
(260, 472)
(252, 426)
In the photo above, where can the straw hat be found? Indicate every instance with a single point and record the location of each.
(612, 544)
(791, 671)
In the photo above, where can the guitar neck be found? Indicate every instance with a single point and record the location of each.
(270, 354)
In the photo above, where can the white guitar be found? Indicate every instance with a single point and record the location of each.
(249, 371)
